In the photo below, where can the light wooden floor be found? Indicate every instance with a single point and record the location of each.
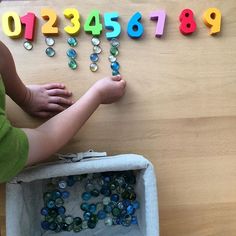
(179, 110)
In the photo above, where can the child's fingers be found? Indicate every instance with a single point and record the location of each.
(116, 78)
(54, 86)
(52, 107)
(45, 114)
(60, 100)
(59, 92)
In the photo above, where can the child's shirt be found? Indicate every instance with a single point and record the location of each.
(13, 144)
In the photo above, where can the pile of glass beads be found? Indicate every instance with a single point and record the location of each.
(109, 197)
(94, 57)
(114, 52)
(71, 53)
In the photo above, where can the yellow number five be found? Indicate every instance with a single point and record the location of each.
(73, 14)
(212, 19)
(11, 24)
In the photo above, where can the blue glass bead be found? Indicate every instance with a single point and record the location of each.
(84, 206)
(107, 178)
(45, 225)
(56, 194)
(101, 215)
(115, 72)
(72, 41)
(65, 194)
(92, 208)
(126, 202)
(61, 210)
(44, 211)
(134, 220)
(112, 204)
(62, 184)
(94, 57)
(50, 52)
(86, 196)
(105, 191)
(123, 212)
(51, 204)
(115, 66)
(87, 215)
(136, 204)
(130, 210)
(115, 197)
(52, 226)
(108, 209)
(70, 181)
(71, 53)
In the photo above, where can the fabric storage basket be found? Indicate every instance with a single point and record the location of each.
(24, 194)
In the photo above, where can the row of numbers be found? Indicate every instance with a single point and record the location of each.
(12, 23)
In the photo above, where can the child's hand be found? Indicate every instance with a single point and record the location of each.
(110, 89)
(46, 100)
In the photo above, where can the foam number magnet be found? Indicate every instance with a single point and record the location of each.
(110, 20)
(49, 28)
(11, 24)
(92, 24)
(135, 27)
(188, 25)
(74, 16)
(29, 21)
(160, 17)
(212, 19)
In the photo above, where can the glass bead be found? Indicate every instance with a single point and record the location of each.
(51, 204)
(107, 178)
(132, 196)
(77, 229)
(77, 221)
(28, 45)
(84, 206)
(108, 221)
(49, 219)
(100, 181)
(97, 49)
(92, 208)
(115, 72)
(47, 196)
(130, 210)
(106, 200)
(112, 204)
(87, 215)
(123, 212)
(94, 57)
(86, 196)
(71, 53)
(72, 64)
(45, 225)
(53, 213)
(115, 43)
(108, 209)
(72, 41)
(126, 221)
(49, 41)
(134, 220)
(95, 192)
(95, 41)
(60, 218)
(101, 215)
(99, 206)
(111, 58)
(50, 52)
(89, 187)
(61, 210)
(115, 197)
(52, 226)
(136, 204)
(56, 194)
(93, 67)
(115, 211)
(94, 218)
(126, 202)
(70, 227)
(65, 194)
(58, 229)
(84, 224)
(125, 195)
(120, 190)
(91, 224)
(59, 202)
(62, 184)
(44, 211)
(69, 220)
(120, 205)
(114, 51)
(64, 227)
(115, 66)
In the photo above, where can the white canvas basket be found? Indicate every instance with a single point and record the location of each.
(24, 194)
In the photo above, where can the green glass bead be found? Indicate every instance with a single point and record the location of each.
(95, 192)
(132, 196)
(50, 52)
(49, 219)
(114, 51)
(72, 41)
(91, 224)
(125, 195)
(59, 202)
(70, 227)
(72, 64)
(94, 218)
(108, 221)
(52, 213)
(115, 211)
(84, 224)
(126, 221)
(28, 45)
(69, 220)
(77, 221)
(60, 219)
(47, 196)
(77, 229)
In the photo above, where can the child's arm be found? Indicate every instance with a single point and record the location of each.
(38, 100)
(56, 132)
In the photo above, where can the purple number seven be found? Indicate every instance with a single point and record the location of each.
(160, 17)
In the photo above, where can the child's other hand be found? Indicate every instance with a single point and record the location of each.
(110, 89)
(46, 100)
